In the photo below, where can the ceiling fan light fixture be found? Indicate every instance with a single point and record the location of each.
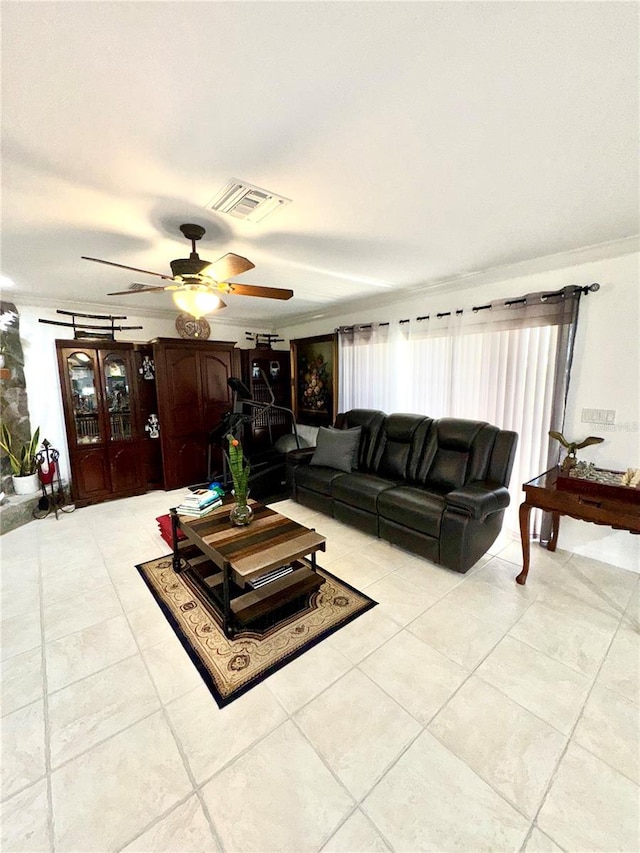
(197, 302)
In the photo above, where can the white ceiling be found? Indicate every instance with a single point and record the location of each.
(419, 141)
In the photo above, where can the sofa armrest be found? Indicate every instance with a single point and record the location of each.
(478, 499)
(301, 456)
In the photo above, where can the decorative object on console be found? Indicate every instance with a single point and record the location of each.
(600, 482)
(190, 327)
(572, 446)
(631, 477)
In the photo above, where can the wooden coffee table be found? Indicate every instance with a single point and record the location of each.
(227, 559)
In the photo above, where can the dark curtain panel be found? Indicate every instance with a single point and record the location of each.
(568, 309)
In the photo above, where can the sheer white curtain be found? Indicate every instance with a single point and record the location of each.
(505, 377)
(507, 365)
(372, 358)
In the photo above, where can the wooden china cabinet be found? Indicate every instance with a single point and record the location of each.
(100, 401)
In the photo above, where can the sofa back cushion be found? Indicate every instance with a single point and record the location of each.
(400, 443)
(456, 452)
(370, 420)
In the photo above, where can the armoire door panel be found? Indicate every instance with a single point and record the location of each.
(188, 462)
(125, 467)
(182, 391)
(91, 478)
(193, 396)
(217, 398)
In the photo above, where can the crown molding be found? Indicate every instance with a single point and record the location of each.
(450, 284)
(476, 278)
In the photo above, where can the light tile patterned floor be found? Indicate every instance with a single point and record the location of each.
(464, 713)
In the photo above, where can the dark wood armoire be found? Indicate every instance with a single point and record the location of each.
(193, 396)
(138, 416)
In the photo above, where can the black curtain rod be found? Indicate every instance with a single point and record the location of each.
(587, 288)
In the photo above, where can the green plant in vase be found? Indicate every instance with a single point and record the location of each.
(241, 513)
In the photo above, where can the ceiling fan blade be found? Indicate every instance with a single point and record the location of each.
(124, 267)
(238, 289)
(136, 290)
(228, 266)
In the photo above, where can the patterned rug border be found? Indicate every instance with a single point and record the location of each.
(221, 700)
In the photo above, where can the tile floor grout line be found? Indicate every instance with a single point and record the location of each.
(157, 820)
(95, 671)
(570, 740)
(178, 743)
(45, 711)
(103, 740)
(357, 800)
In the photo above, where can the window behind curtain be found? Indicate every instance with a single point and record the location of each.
(507, 366)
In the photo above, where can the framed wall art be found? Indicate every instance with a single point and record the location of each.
(314, 379)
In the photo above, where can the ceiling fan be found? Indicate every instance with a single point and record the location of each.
(196, 283)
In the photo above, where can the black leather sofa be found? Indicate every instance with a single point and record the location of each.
(437, 488)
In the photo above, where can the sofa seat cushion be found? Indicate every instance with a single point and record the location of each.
(316, 478)
(360, 490)
(414, 508)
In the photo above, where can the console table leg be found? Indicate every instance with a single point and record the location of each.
(525, 512)
(555, 527)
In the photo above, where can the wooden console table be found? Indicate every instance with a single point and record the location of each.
(614, 506)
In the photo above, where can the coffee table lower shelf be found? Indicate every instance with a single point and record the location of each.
(252, 605)
(239, 569)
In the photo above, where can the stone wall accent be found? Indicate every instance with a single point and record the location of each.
(14, 404)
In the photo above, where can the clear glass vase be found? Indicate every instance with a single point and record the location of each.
(241, 513)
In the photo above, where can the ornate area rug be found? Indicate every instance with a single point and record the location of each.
(231, 667)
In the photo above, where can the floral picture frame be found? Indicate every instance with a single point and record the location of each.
(314, 379)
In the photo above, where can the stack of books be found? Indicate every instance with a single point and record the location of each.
(271, 576)
(198, 503)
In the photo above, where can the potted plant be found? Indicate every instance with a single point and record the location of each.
(23, 461)
(241, 512)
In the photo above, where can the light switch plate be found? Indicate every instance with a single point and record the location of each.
(598, 416)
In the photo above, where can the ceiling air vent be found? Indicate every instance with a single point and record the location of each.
(244, 201)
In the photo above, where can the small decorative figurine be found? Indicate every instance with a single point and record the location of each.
(631, 477)
(569, 460)
(148, 369)
(153, 427)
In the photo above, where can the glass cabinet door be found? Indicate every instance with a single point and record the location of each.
(84, 398)
(117, 390)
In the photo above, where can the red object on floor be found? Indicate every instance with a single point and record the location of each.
(164, 523)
